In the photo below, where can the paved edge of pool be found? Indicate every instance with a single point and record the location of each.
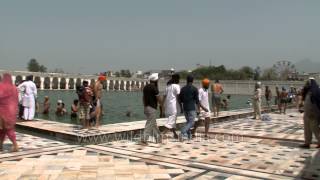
(111, 132)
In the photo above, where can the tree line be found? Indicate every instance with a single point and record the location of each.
(222, 73)
(211, 72)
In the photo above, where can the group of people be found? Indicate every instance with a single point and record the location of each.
(194, 102)
(87, 108)
(281, 99)
(285, 97)
(191, 102)
(61, 109)
(21, 101)
(307, 100)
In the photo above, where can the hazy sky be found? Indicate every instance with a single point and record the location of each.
(90, 36)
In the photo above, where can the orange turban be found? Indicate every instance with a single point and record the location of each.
(102, 78)
(206, 82)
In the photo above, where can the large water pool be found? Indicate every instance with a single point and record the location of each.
(116, 105)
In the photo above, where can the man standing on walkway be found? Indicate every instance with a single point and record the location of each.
(277, 99)
(205, 113)
(283, 100)
(151, 99)
(98, 88)
(268, 96)
(216, 90)
(189, 97)
(20, 95)
(311, 117)
(29, 98)
(171, 99)
(257, 101)
(85, 97)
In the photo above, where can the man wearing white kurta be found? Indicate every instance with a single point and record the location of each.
(205, 113)
(171, 100)
(29, 98)
(257, 101)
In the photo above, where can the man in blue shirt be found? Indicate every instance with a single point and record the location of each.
(189, 97)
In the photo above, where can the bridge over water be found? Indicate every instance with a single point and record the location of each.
(59, 81)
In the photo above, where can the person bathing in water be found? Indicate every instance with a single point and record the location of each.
(74, 109)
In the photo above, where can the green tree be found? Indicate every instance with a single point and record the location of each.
(221, 73)
(183, 74)
(125, 73)
(34, 66)
(257, 73)
(211, 72)
(269, 74)
(128, 73)
(42, 68)
(117, 74)
(58, 70)
(246, 73)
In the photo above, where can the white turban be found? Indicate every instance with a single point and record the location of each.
(154, 77)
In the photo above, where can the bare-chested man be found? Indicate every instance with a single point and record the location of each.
(98, 88)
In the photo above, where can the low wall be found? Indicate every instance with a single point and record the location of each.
(244, 87)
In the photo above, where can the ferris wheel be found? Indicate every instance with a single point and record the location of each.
(285, 69)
